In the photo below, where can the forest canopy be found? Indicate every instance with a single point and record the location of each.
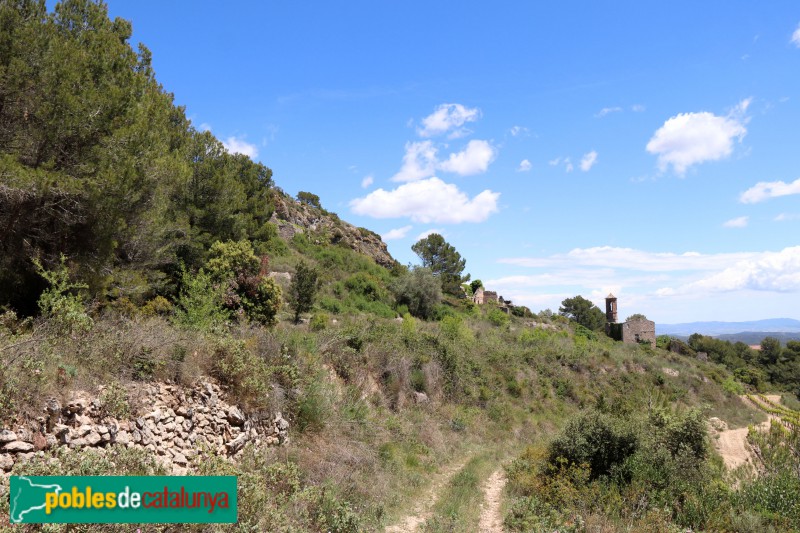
(98, 163)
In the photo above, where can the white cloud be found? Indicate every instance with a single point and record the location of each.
(518, 130)
(426, 201)
(739, 222)
(796, 36)
(637, 108)
(632, 259)
(691, 138)
(419, 162)
(662, 284)
(568, 165)
(524, 166)
(770, 271)
(474, 159)
(448, 117)
(398, 233)
(236, 145)
(588, 161)
(765, 190)
(205, 126)
(367, 181)
(783, 217)
(607, 111)
(554, 162)
(425, 234)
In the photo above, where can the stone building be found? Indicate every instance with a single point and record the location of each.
(636, 331)
(478, 296)
(482, 297)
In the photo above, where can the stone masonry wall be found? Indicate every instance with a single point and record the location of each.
(640, 330)
(174, 423)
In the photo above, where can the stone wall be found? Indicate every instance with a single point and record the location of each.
(173, 422)
(640, 330)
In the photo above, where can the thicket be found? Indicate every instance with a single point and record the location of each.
(626, 470)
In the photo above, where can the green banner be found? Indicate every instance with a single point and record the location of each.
(122, 499)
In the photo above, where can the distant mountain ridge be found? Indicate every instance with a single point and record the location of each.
(784, 325)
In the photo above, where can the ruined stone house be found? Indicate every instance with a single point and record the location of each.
(636, 331)
(481, 297)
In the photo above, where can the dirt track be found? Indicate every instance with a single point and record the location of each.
(732, 443)
(491, 519)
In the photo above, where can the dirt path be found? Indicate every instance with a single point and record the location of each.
(491, 519)
(422, 507)
(732, 443)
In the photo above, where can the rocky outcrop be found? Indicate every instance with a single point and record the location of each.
(175, 423)
(292, 217)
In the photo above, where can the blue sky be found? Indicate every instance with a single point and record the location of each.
(563, 148)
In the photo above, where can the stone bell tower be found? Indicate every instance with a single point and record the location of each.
(611, 311)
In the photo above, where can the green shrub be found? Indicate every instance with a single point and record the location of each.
(200, 303)
(114, 401)
(498, 317)
(249, 376)
(313, 406)
(363, 284)
(157, 306)
(59, 301)
(419, 290)
(264, 303)
(594, 439)
(319, 322)
(731, 386)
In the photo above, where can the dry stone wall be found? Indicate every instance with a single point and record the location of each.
(173, 422)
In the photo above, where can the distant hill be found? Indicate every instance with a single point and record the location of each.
(755, 337)
(783, 325)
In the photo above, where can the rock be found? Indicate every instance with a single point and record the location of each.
(235, 416)
(236, 444)
(62, 433)
(170, 426)
(93, 438)
(85, 430)
(77, 443)
(24, 435)
(103, 430)
(39, 442)
(78, 402)
(717, 424)
(420, 397)
(155, 416)
(280, 422)
(6, 462)
(50, 441)
(123, 438)
(7, 436)
(53, 409)
(18, 446)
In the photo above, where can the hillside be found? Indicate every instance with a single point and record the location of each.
(167, 309)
